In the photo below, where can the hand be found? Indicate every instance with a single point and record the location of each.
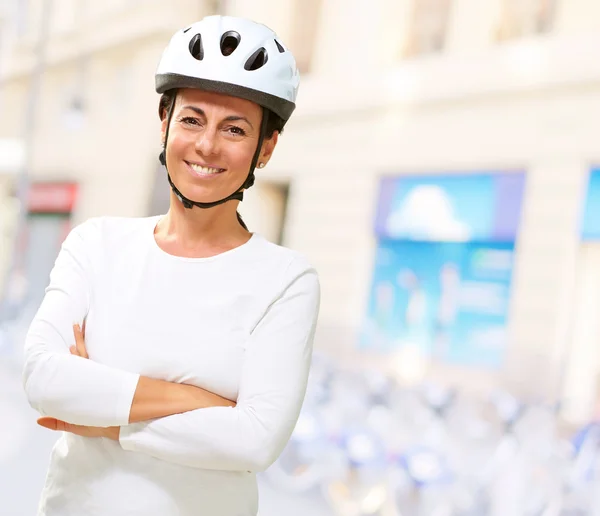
(79, 348)
(57, 425)
(111, 432)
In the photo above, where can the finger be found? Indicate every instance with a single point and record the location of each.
(76, 332)
(73, 350)
(83, 328)
(79, 341)
(60, 426)
(48, 422)
(81, 344)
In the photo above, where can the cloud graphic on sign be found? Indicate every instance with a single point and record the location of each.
(427, 213)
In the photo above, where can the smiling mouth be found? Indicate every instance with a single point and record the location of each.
(204, 171)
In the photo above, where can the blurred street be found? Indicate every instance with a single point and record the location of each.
(441, 172)
(24, 450)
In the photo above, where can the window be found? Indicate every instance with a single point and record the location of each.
(305, 32)
(275, 196)
(123, 85)
(32, 18)
(63, 16)
(217, 7)
(160, 192)
(520, 18)
(74, 103)
(21, 10)
(2, 46)
(265, 209)
(427, 33)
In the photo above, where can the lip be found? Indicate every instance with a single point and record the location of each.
(203, 176)
(207, 165)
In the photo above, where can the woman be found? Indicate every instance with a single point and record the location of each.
(198, 334)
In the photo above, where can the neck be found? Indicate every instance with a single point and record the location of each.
(199, 228)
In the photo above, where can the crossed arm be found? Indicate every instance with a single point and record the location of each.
(176, 423)
(152, 399)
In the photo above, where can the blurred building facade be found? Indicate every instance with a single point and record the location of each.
(390, 88)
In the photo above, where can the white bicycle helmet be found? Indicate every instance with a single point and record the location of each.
(236, 57)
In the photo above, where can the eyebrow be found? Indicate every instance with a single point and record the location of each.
(230, 118)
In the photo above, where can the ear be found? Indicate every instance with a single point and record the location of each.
(268, 147)
(163, 130)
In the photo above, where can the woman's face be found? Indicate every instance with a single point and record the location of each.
(212, 140)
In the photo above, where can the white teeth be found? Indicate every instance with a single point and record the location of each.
(204, 170)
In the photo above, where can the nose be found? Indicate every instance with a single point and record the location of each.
(206, 143)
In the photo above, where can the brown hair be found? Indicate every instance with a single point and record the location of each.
(275, 122)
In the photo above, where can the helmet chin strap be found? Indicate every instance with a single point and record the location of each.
(239, 193)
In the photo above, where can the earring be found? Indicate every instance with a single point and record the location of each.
(261, 165)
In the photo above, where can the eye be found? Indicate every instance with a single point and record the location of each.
(238, 131)
(189, 120)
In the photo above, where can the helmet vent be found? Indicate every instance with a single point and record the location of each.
(280, 47)
(257, 60)
(229, 42)
(185, 30)
(196, 48)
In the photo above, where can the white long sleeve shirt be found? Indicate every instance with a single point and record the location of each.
(239, 324)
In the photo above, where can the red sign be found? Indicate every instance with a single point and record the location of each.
(52, 197)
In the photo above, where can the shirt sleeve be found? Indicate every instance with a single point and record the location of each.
(59, 384)
(250, 436)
